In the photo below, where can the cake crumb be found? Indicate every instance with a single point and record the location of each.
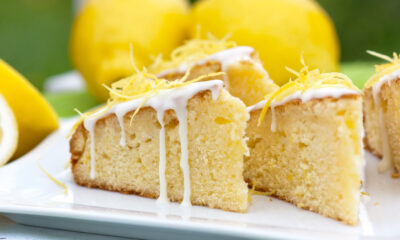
(365, 194)
(395, 175)
(270, 199)
(376, 203)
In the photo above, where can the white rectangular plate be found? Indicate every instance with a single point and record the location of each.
(28, 196)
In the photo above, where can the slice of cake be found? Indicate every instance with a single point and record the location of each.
(245, 76)
(382, 115)
(171, 140)
(305, 143)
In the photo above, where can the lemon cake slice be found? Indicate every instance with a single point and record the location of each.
(245, 76)
(171, 140)
(381, 113)
(305, 143)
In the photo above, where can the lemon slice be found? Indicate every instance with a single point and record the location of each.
(8, 132)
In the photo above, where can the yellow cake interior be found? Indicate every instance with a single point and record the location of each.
(313, 157)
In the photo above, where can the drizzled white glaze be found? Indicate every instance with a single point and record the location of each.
(226, 58)
(386, 163)
(120, 118)
(175, 99)
(334, 92)
(181, 113)
(163, 198)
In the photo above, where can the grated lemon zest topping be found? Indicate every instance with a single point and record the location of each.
(141, 84)
(253, 191)
(190, 52)
(383, 69)
(365, 194)
(59, 183)
(306, 80)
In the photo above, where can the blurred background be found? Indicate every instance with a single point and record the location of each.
(34, 36)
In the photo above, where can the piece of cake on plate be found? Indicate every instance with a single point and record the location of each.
(171, 140)
(382, 115)
(245, 76)
(305, 143)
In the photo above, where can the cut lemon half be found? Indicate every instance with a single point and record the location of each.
(8, 132)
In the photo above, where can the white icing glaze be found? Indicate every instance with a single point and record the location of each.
(120, 118)
(163, 198)
(181, 113)
(386, 163)
(89, 126)
(175, 99)
(226, 58)
(334, 92)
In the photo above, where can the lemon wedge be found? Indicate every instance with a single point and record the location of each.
(34, 116)
(8, 132)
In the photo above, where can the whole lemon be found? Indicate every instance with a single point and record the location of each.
(280, 30)
(104, 29)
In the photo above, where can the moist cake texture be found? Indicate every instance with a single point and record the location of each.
(305, 144)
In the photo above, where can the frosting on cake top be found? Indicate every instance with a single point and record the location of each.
(309, 85)
(192, 51)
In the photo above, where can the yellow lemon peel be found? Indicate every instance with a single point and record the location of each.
(383, 69)
(306, 80)
(53, 179)
(190, 52)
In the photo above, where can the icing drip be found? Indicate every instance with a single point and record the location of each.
(163, 198)
(89, 125)
(120, 118)
(175, 99)
(181, 113)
